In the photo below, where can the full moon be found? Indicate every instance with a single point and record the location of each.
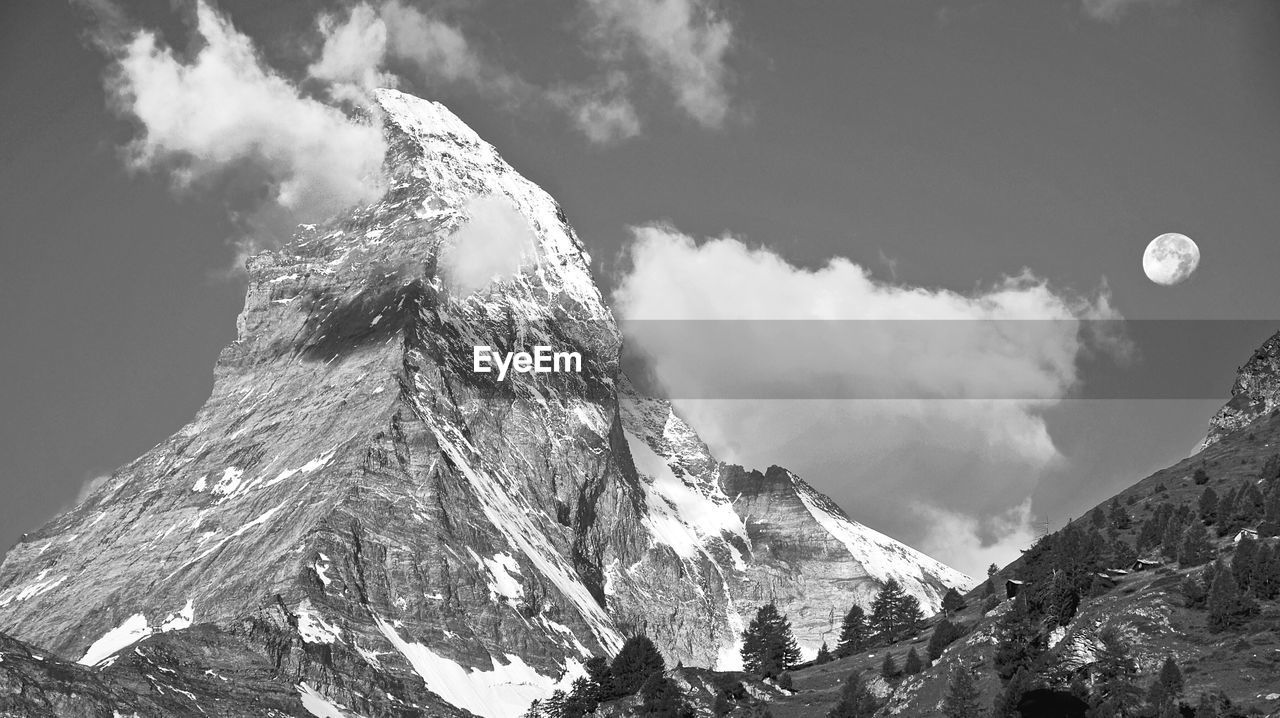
(1170, 259)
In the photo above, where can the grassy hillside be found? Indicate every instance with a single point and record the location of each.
(1146, 608)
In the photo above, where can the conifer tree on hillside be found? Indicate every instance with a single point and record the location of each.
(992, 570)
(1010, 695)
(1097, 518)
(1122, 554)
(1209, 505)
(1195, 549)
(1171, 677)
(582, 700)
(1228, 607)
(1171, 541)
(636, 662)
(889, 667)
(1266, 573)
(1115, 692)
(1020, 641)
(856, 701)
(1242, 563)
(1200, 477)
(952, 601)
(768, 647)
(854, 632)
(944, 634)
(963, 699)
(1250, 505)
(824, 655)
(662, 699)
(1226, 509)
(1119, 517)
(894, 614)
(912, 665)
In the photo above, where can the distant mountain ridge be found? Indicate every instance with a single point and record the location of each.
(395, 534)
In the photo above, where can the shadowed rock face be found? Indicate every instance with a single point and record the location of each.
(1255, 394)
(366, 517)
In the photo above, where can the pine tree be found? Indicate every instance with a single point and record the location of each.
(909, 616)
(1097, 518)
(856, 701)
(1242, 563)
(1171, 540)
(1171, 677)
(662, 699)
(854, 632)
(1208, 505)
(988, 588)
(992, 570)
(1120, 519)
(1227, 606)
(1122, 555)
(1226, 507)
(1020, 641)
(583, 698)
(824, 654)
(889, 667)
(1007, 700)
(1149, 534)
(912, 665)
(1266, 573)
(952, 601)
(1200, 477)
(893, 613)
(768, 647)
(944, 634)
(963, 699)
(1114, 672)
(1063, 599)
(1250, 505)
(1195, 549)
(636, 662)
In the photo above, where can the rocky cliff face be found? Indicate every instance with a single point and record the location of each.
(1255, 393)
(389, 531)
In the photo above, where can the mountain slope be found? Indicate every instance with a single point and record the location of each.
(1146, 608)
(407, 536)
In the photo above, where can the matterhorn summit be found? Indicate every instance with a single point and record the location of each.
(358, 523)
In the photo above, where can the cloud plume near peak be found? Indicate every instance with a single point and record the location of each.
(948, 473)
(223, 116)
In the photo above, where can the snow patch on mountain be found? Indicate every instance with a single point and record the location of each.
(882, 557)
(132, 630)
(505, 691)
(682, 515)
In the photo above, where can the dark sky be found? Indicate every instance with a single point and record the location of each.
(957, 142)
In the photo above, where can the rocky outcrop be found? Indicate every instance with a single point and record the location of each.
(1256, 392)
(386, 528)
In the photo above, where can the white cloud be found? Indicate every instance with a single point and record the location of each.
(683, 42)
(604, 114)
(224, 112)
(977, 449)
(354, 52)
(493, 245)
(972, 545)
(1114, 10)
(91, 485)
(439, 50)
